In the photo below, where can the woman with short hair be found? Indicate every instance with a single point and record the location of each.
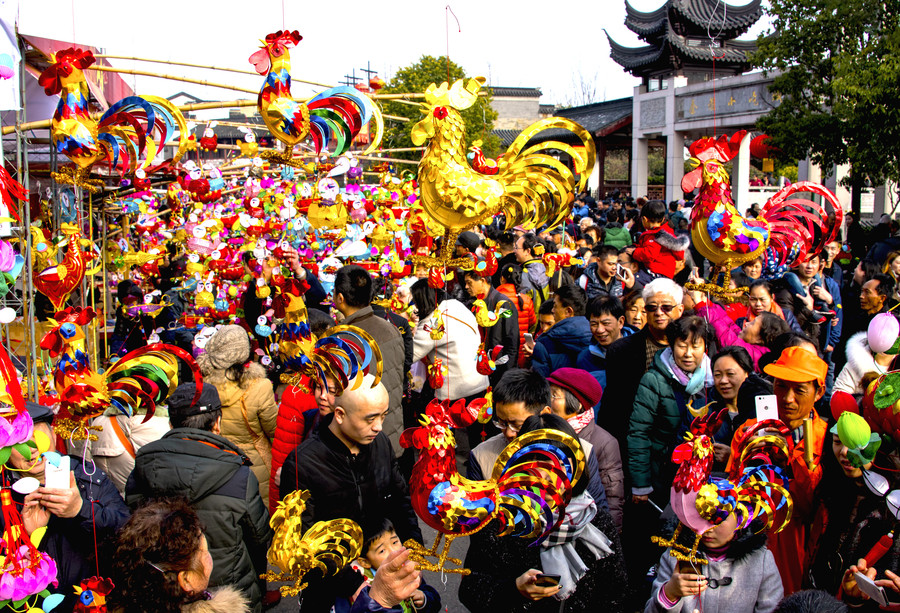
(162, 564)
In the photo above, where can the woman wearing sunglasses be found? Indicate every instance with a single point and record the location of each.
(680, 376)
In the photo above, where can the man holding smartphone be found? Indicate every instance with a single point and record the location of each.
(605, 278)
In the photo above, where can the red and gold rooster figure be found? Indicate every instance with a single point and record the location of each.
(785, 233)
(136, 383)
(529, 186)
(334, 116)
(57, 281)
(758, 487)
(129, 134)
(528, 490)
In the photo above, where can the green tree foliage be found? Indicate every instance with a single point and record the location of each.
(840, 63)
(415, 79)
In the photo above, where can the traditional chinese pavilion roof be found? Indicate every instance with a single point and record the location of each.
(679, 31)
(694, 17)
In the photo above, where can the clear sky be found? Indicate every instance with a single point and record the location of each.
(528, 43)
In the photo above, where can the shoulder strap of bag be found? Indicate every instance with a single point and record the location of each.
(117, 428)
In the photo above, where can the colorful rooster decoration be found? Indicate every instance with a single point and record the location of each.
(757, 486)
(327, 546)
(785, 233)
(344, 354)
(135, 384)
(527, 493)
(128, 135)
(92, 594)
(334, 116)
(530, 186)
(58, 280)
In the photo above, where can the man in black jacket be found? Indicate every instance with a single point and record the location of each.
(348, 467)
(194, 462)
(89, 508)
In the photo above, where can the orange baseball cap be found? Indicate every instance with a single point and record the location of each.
(798, 364)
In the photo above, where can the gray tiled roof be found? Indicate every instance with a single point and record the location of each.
(694, 16)
(516, 92)
(594, 118)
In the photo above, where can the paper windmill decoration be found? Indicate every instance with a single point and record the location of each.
(328, 546)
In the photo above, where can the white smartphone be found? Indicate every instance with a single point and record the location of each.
(57, 477)
(766, 407)
(875, 592)
(620, 272)
(529, 339)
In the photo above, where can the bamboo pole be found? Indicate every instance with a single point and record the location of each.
(144, 73)
(193, 106)
(189, 65)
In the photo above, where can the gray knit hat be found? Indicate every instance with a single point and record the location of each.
(230, 345)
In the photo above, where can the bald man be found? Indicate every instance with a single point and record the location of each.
(348, 466)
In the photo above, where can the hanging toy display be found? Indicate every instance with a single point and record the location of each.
(26, 573)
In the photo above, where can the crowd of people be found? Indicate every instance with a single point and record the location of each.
(591, 329)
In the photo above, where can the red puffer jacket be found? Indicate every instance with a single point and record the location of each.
(525, 306)
(288, 431)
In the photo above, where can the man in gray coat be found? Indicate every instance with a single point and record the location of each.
(353, 298)
(194, 462)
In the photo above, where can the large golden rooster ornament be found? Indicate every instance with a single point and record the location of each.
(531, 187)
(328, 546)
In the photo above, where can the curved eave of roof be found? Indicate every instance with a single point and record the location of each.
(730, 51)
(704, 14)
(645, 24)
(630, 58)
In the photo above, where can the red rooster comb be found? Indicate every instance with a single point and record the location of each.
(723, 147)
(65, 63)
(284, 38)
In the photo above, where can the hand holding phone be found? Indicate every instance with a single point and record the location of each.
(529, 339)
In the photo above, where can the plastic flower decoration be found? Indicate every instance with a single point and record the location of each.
(16, 427)
(24, 571)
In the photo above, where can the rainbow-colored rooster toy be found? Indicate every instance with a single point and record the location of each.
(334, 116)
(785, 233)
(758, 486)
(128, 135)
(135, 384)
(528, 491)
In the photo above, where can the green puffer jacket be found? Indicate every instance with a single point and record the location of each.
(215, 478)
(617, 236)
(658, 422)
